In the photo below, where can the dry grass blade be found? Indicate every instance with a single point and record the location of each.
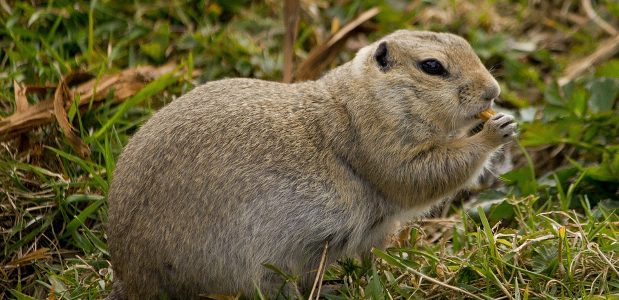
(532, 241)
(42, 253)
(594, 247)
(319, 274)
(124, 85)
(605, 51)
(438, 282)
(291, 23)
(322, 55)
(62, 97)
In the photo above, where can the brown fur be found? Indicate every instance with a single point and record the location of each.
(242, 172)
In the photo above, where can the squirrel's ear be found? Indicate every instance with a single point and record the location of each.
(382, 58)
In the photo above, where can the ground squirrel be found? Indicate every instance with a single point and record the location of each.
(239, 173)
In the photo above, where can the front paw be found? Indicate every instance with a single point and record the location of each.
(500, 129)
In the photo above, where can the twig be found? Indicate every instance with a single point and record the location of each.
(586, 5)
(291, 23)
(322, 273)
(319, 273)
(606, 50)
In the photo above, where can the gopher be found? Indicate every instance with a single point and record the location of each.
(239, 173)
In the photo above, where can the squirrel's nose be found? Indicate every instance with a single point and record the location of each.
(491, 92)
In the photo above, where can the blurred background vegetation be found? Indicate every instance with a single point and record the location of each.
(548, 230)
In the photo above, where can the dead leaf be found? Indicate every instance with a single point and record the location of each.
(123, 85)
(40, 89)
(62, 98)
(42, 253)
(52, 294)
(21, 102)
(322, 55)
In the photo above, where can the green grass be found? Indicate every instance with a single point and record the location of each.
(550, 231)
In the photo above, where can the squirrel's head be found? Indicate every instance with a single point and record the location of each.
(436, 76)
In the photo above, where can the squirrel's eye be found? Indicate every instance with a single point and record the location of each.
(433, 67)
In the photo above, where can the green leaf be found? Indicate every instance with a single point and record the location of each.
(232, 5)
(605, 297)
(536, 134)
(523, 179)
(604, 93)
(21, 296)
(578, 101)
(154, 50)
(88, 166)
(609, 69)
(501, 211)
(488, 232)
(279, 272)
(486, 45)
(458, 240)
(552, 96)
(387, 257)
(30, 236)
(467, 274)
(375, 289)
(79, 219)
(607, 170)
